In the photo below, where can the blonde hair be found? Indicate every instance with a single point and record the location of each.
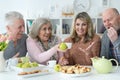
(90, 32)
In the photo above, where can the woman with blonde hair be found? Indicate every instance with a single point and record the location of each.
(85, 43)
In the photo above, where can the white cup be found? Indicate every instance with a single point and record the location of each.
(51, 63)
(69, 45)
(12, 62)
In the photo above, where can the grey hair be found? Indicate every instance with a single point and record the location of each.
(11, 16)
(36, 26)
(115, 10)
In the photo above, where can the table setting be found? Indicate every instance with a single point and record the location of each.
(101, 69)
(93, 75)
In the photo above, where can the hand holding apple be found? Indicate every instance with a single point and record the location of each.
(63, 46)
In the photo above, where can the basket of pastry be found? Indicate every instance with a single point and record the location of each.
(75, 70)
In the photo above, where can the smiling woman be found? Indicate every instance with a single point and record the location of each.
(85, 42)
(42, 45)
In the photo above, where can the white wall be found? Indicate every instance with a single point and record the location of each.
(10, 5)
(35, 8)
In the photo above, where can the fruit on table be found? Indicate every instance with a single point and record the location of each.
(63, 46)
(57, 67)
(23, 59)
(27, 65)
(34, 64)
(19, 65)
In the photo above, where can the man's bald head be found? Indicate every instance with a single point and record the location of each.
(111, 18)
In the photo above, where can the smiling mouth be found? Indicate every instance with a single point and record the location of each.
(46, 36)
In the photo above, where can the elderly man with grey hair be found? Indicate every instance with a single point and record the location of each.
(15, 31)
(110, 46)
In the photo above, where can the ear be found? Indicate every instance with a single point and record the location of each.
(7, 28)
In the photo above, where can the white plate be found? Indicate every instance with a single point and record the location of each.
(44, 71)
(18, 70)
(76, 75)
(35, 74)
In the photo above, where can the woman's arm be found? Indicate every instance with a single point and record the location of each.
(36, 52)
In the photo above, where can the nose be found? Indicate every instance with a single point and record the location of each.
(80, 26)
(47, 31)
(107, 24)
(23, 29)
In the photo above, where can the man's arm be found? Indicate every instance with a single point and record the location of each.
(117, 49)
(9, 51)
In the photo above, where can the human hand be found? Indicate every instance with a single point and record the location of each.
(84, 50)
(63, 61)
(112, 34)
(16, 55)
(87, 50)
(62, 48)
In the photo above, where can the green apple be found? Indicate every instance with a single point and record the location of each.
(26, 65)
(63, 46)
(34, 64)
(25, 59)
(19, 65)
(57, 67)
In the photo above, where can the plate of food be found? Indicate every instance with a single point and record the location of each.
(28, 69)
(34, 73)
(27, 66)
(75, 71)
